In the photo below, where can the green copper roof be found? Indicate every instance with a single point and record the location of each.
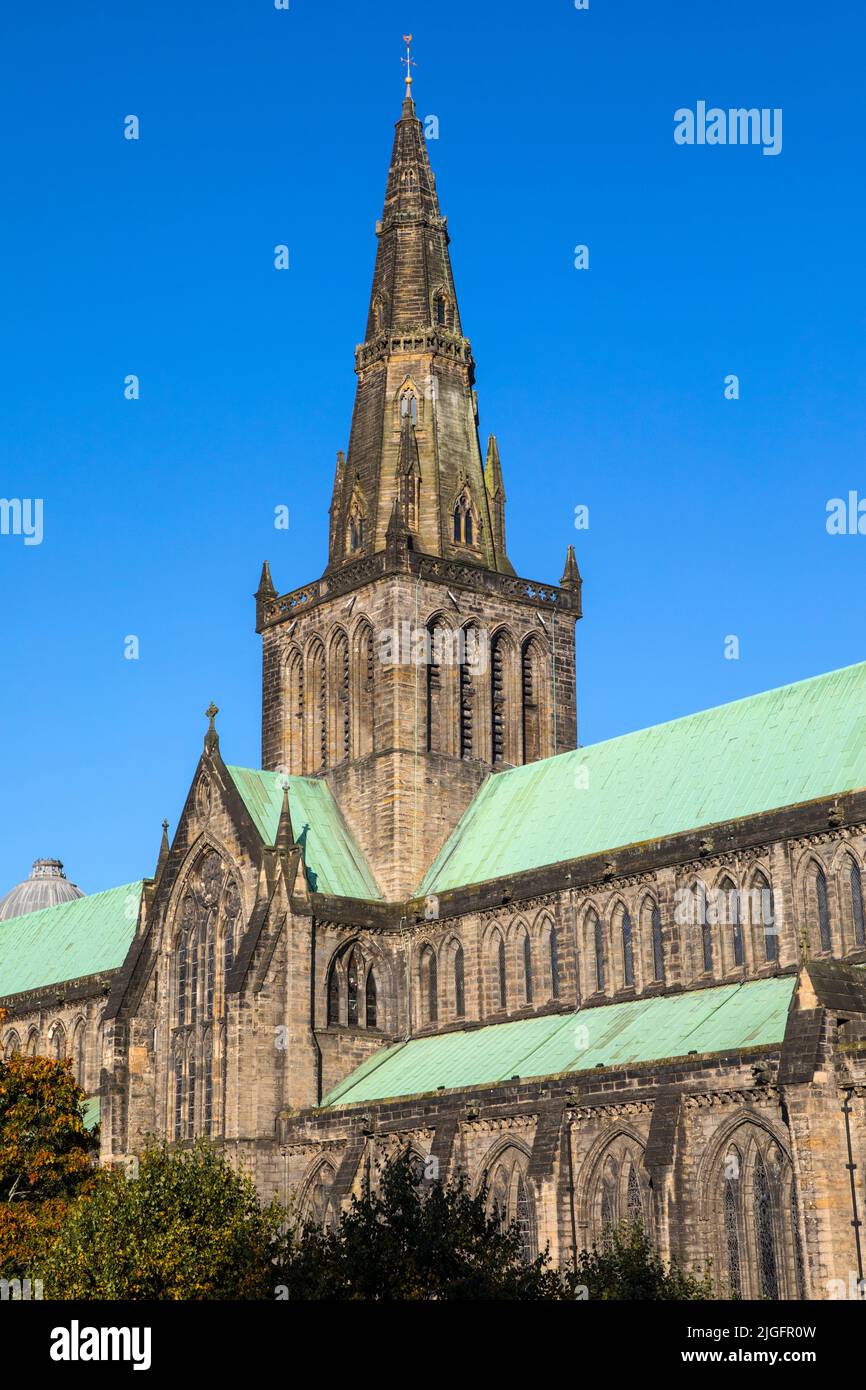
(722, 1019)
(334, 862)
(67, 942)
(782, 747)
(91, 1112)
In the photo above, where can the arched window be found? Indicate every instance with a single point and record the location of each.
(438, 655)
(428, 984)
(370, 1002)
(658, 949)
(706, 929)
(464, 530)
(731, 910)
(318, 1205)
(764, 1232)
(509, 1197)
(316, 687)
(459, 983)
(618, 1191)
(500, 699)
(531, 693)
(178, 1094)
(765, 917)
(627, 950)
(855, 884)
(182, 973)
(208, 1083)
(340, 686)
(409, 406)
(364, 688)
(468, 656)
(554, 962)
(190, 1094)
(440, 310)
(294, 712)
(78, 1052)
(58, 1043)
(352, 989)
(11, 1047)
(732, 1203)
(598, 942)
(527, 968)
(333, 994)
(823, 910)
(503, 982)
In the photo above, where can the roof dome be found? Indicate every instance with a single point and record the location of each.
(46, 887)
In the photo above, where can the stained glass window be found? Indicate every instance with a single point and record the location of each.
(527, 966)
(503, 993)
(732, 1225)
(857, 905)
(333, 995)
(764, 1232)
(371, 1002)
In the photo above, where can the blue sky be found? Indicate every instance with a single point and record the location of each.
(605, 388)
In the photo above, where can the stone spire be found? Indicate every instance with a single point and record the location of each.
(415, 368)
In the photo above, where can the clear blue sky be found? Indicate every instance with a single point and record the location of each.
(605, 388)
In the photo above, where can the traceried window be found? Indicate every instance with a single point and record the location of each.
(352, 990)
(409, 406)
(618, 1190)
(762, 897)
(757, 1226)
(509, 1197)
(463, 518)
(204, 957)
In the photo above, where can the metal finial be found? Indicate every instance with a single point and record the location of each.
(410, 63)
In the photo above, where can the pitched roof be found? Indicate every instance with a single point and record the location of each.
(84, 937)
(333, 860)
(785, 746)
(722, 1019)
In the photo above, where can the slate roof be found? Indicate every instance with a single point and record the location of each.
(724, 1019)
(334, 863)
(84, 937)
(794, 744)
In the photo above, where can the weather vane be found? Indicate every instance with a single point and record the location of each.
(410, 63)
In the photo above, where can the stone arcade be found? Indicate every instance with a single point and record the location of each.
(432, 920)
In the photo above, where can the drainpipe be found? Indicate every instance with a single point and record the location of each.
(852, 1168)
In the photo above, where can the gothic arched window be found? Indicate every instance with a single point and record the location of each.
(428, 983)
(763, 900)
(527, 968)
(533, 733)
(855, 884)
(706, 929)
(333, 994)
(352, 989)
(459, 982)
(554, 962)
(598, 943)
(731, 899)
(764, 1231)
(658, 949)
(409, 406)
(509, 1197)
(340, 687)
(78, 1052)
(823, 910)
(463, 517)
(370, 1000)
(627, 950)
(732, 1205)
(618, 1191)
(503, 979)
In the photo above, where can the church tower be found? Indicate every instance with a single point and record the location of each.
(419, 662)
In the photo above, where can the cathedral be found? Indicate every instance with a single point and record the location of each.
(606, 981)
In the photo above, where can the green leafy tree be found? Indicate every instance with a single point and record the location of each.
(188, 1226)
(46, 1156)
(411, 1239)
(627, 1267)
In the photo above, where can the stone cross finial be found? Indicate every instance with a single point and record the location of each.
(211, 738)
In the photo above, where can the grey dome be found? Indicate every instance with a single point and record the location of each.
(46, 887)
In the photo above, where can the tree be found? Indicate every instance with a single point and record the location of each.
(414, 1239)
(627, 1267)
(188, 1226)
(46, 1156)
